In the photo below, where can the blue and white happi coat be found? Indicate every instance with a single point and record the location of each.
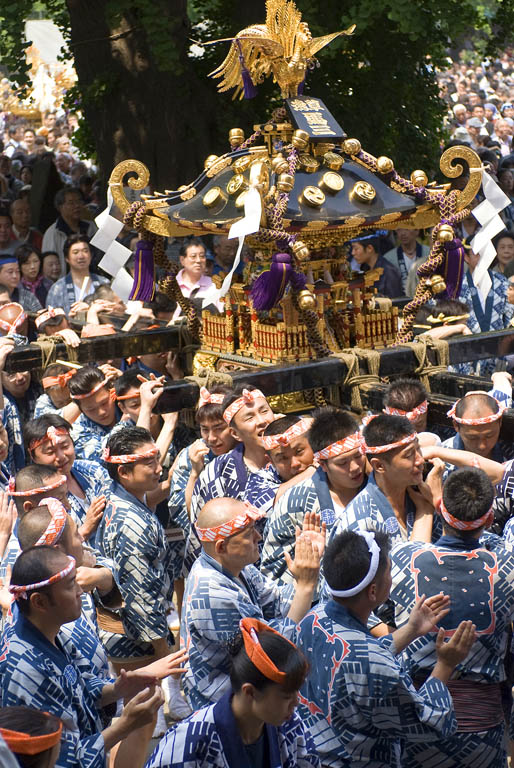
(44, 405)
(478, 576)
(95, 481)
(178, 514)
(89, 437)
(358, 703)
(210, 738)
(131, 535)
(35, 673)
(12, 422)
(214, 603)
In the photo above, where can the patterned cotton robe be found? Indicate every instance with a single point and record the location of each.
(55, 679)
(478, 575)
(214, 602)
(89, 437)
(94, 480)
(131, 535)
(358, 703)
(210, 739)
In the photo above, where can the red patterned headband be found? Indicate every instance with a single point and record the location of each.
(247, 398)
(53, 434)
(346, 444)
(23, 744)
(419, 410)
(56, 526)
(10, 327)
(61, 380)
(96, 389)
(300, 428)
(230, 527)
(129, 458)
(35, 491)
(215, 398)
(21, 590)
(375, 449)
(135, 396)
(48, 314)
(256, 653)
(466, 525)
(483, 419)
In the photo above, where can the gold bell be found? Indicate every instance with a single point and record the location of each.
(436, 284)
(352, 146)
(300, 139)
(279, 165)
(236, 137)
(300, 250)
(285, 182)
(445, 233)
(419, 178)
(306, 300)
(210, 160)
(384, 165)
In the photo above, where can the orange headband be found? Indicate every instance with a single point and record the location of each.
(96, 389)
(419, 410)
(240, 521)
(207, 397)
(9, 327)
(129, 397)
(128, 458)
(55, 527)
(300, 428)
(60, 380)
(35, 491)
(256, 653)
(482, 420)
(48, 314)
(344, 445)
(23, 744)
(247, 397)
(52, 434)
(466, 525)
(374, 449)
(20, 590)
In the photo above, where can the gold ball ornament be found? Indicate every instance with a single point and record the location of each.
(213, 197)
(352, 146)
(306, 300)
(300, 139)
(279, 165)
(333, 160)
(313, 196)
(236, 137)
(285, 182)
(307, 163)
(436, 284)
(384, 165)
(419, 178)
(363, 191)
(236, 184)
(241, 164)
(445, 233)
(300, 250)
(210, 160)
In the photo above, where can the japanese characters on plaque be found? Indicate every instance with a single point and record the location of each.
(311, 115)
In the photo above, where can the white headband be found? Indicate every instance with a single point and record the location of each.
(374, 549)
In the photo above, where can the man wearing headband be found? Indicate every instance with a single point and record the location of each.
(409, 398)
(37, 670)
(390, 500)
(95, 397)
(287, 444)
(28, 735)
(472, 566)
(243, 473)
(224, 586)
(334, 436)
(56, 397)
(358, 702)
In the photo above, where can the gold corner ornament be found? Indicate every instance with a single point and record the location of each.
(282, 47)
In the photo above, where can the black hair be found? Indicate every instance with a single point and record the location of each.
(234, 395)
(505, 232)
(33, 722)
(474, 405)
(385, 429)
(450, 307)
(161, 303)
(405, 394)
(189, 242)
(30, 477)
(52, 322)
(61, 194)
(213, 411)
(330, 425)
(279, 426)
(347, 559)
(125, 441)
(35, 429)
(468, 494)
(33, 524)
(24, 252)
(129, 380)
(3, 288)
(72, 240)
(48, 253)
(286, 657)
(33, 565)
(85, 380)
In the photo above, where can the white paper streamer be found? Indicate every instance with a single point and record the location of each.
(116, 254)
(122, 284)
(249, 224)
(486, 213)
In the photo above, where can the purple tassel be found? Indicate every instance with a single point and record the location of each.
(452, 269)
(301, 86)
(250, 89)
(269, 287)
(143, 288)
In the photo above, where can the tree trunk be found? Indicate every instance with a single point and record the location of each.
(166, 119)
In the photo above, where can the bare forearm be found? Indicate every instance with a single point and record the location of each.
(493, 469)
(163, 442)
(301, 602)
(144, 418)
(402, 638)
(422, 528)
(188, 493)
